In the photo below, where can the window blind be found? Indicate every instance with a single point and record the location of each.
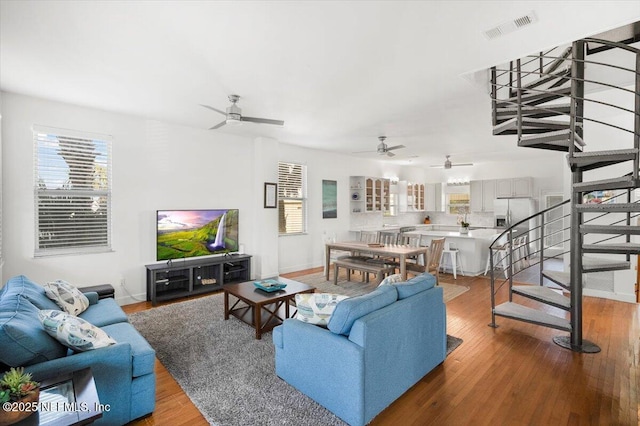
(291, 198)
(72, 191)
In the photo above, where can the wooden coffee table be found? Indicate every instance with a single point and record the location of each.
(260, 309)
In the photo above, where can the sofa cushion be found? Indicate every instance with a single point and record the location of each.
(349, 310)
(144, 356)
(33, 292)
(22, 339)
(67, 296)
(74, 332)
(105, 312)
(415, 285)
(316, 308)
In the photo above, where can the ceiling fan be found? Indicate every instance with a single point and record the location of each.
(448, 164)
(383, 148)
(234, 115)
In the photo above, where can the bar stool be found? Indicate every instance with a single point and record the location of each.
(454, 259)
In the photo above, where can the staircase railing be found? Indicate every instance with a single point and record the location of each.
(542, 99)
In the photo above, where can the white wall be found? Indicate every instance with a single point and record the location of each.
(330, 166)
(155, 166)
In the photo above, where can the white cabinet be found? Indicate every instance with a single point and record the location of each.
(370, 194)
(482, 194)
(514, 188)
(433, 197)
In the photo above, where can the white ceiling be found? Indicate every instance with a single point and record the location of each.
(339, 73)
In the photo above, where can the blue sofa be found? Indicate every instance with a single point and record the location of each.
(123, 373)
(375, 347)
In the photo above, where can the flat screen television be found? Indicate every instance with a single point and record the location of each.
(192, 233)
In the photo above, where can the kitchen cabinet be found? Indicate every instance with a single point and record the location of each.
(514, 187)
(482, 194)
(433, 197)
(369, 194)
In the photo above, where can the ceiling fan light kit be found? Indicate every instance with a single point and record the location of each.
(448, 164)
(233, 115)
(382, 148)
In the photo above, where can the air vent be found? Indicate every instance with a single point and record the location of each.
(510, 26)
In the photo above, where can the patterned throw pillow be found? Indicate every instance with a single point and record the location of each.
(316, 308)
(392, 279)
(68, 297)
(74, 332)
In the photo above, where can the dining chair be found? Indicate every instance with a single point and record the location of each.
(435, 254)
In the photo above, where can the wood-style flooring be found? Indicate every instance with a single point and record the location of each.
(512, 375)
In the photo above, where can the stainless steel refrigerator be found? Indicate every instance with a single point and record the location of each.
(509, 211)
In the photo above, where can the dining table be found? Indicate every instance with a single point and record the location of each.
(398, 251)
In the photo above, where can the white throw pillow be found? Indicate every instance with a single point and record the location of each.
(74, 332)
(392, 279)
(68, 297)
(316, 308)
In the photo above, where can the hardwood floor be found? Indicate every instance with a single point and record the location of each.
(512, 375)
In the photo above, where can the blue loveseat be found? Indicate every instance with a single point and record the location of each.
(375, 348)
(123, 373)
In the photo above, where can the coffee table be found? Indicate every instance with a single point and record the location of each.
(260, 309)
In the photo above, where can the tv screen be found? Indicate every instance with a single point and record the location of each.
(191, 233)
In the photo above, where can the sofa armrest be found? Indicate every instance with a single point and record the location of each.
(92, 296)
(112, 373)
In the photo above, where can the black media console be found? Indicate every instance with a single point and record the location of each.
(188, 277)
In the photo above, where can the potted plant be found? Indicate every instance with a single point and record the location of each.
(464, 225)
(16, 386)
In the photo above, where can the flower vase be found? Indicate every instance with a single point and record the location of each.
(464, 229)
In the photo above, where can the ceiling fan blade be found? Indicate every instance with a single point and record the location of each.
(437, 166)
(262, 120)
(461, 164)
(214, 109)
(217, 126)
(363, 152)
(390, 154)
(395, 147)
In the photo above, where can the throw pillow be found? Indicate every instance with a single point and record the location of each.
(316, 308)
(391, 279)
(74, 332)
(68, 297)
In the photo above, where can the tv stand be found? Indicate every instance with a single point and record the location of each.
(189, 277)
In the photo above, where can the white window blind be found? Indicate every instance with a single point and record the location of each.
(292, 193)
(72, 191)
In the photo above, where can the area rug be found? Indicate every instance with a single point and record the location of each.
(356, 287)
(227, 373)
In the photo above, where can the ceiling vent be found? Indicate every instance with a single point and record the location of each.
(511, 26)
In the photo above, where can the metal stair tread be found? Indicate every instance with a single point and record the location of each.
(543, 294)
(561, 278)
(595, 264)
(612, 248)
(595, 159)
(530, 125)
(557, 135)
(611, 183)
(609, 207)
(535, 98)
(610, 229)
(523, 313)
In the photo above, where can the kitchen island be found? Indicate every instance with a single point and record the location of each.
(473, 247)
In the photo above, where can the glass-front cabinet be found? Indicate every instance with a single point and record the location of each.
(370, 194)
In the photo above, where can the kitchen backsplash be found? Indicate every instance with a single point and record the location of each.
(368, 220)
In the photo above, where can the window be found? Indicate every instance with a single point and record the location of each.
(292, 193)
(458, 203)
(72, 192)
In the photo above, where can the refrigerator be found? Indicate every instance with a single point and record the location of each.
(509, 211)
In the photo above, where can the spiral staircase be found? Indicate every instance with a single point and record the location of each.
(551, 101)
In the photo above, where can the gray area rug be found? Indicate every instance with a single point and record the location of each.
(225, 371)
